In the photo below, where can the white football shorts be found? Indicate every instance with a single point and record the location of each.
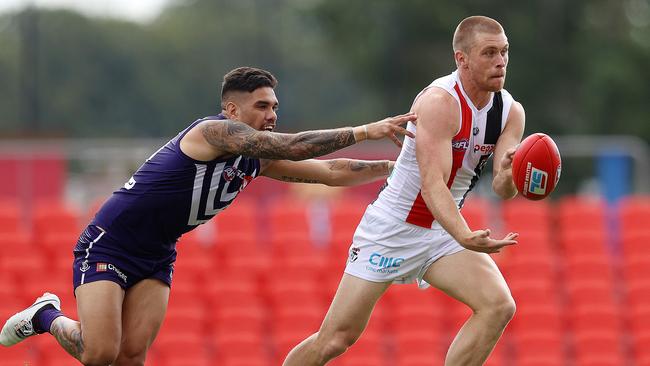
(385, 249)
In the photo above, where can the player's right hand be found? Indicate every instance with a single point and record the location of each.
(480, 241)
(390, 127)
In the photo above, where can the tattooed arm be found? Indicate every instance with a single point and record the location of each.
(335, 172)
(214, 138)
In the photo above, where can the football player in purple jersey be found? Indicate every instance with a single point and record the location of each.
(124, 259)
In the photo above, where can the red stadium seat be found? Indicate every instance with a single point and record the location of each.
(19, 256)
(285, 241)
(533, 347)
(229, 285)
(430, 359)
(591, 291)
(55, 217)
(237, 344)
(634, 212)
(288, 214)
(534, 291)
(367, 351)
(241, 215)
(415, 346)
(520, 264)
(346, 213)
(245, 320)
(11, 217)
(581, 213)
(636, 268)
(602, 347)
(25, 353)
(243, 258)
(543, 318)
(184, 318)
(58, 243)
(595, 318)
(635, 242)
(475, 211)
(522, 215)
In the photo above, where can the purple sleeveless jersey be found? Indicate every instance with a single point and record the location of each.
(169, 195)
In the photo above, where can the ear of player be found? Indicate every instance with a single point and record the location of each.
(536, 166)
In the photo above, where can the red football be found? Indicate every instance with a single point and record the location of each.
(536, 166)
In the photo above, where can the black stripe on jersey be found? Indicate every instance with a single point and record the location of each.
(494, 116)
(477, 175)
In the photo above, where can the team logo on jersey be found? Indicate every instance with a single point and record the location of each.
(475, 131)
(462, 144)
(354, 254)
(84, 266)
(229, 173)
(537, 181)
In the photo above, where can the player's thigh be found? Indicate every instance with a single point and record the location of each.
(99, 307)
(350, 310)
(470, 277)
(145, 305)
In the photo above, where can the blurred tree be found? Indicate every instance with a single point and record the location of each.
(578, 66)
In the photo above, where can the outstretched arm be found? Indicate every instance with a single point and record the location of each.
(220, 137)
(334, 172)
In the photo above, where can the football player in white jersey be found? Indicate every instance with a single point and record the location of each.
(414, 231)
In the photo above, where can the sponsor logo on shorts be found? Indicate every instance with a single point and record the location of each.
(103, 267)
(382, 264)
(354, 254)
(84, 266)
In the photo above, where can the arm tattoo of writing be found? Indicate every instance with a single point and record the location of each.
(239, 138)
(69, 337)
(367, 168)
(286, 178)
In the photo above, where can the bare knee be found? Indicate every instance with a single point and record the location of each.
(338, 343)
(501, 309)
(98, 357)
(130, 360)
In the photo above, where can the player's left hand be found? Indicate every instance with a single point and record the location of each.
(506, 160)
(480, 241)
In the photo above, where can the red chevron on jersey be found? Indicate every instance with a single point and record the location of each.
(420, 214)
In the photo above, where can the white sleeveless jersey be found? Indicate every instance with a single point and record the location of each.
(478, 133)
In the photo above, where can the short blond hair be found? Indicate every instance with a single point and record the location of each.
(469, 27)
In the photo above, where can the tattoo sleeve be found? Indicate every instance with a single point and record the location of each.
(68, 334)
(238, 138)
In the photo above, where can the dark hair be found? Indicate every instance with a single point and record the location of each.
(247, 79)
